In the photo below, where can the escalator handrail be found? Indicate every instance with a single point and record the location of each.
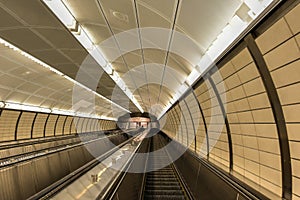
(115, 185)
(67, 180)
(51, 152)
(143, 186)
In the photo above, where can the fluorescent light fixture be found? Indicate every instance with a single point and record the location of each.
(41, 63)
(97, 55)
(108, 69)
(115, 76)
(193, 76)
(17, 106)
(108, 118)
(87, 115)
(122, 84)
(84, 40)
(2, 104)
(183, 88)
(62, 12)
(66, 17)
(63, 112)
(236, 26)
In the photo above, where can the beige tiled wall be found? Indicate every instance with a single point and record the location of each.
(8, 122)
(59, 125)
(64, 125)
(67, 129)
(280, 47)
(50, 126)
(25, 125)
(251, 122)
(39, 125)
(256, 152)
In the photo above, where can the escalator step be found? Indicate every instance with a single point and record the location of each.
(164, 192)
(165, 187)
(161, 183)
(163, 197)
(161, 176)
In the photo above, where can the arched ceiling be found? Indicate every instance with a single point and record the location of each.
(153, 46)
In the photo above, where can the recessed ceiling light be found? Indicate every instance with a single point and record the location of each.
(120, 16)
(26, 73)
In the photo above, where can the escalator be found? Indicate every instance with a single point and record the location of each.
(163, 183)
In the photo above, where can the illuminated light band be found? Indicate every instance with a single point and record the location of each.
(65, 16)
(41, 63)
(232, 31)
(18, 106)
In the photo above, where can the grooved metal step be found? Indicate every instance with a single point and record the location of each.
(163, 184)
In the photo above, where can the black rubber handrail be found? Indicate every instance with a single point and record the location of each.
(52, 152)
(143, 186)
(41, 140)
(36, 141)
(41, 150)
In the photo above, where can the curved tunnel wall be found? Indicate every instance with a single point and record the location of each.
(17, 125)
(243, 114)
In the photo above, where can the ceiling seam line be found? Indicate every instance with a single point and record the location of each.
(143, 56)
(110, 29)
(169, 46)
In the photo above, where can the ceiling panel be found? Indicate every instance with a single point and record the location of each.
(179, 64)
(98, 32)
(7, 21)
(59, 38)
(78, 56)
(154, 92)
(164, 8)
(25, 38)
(154, 56)
(209, 18)
(52, 56)
(31, 12)
(149, 18)
(120, 14)
(133, 59)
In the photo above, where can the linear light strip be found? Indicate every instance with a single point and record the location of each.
(229, 34)
(66, 17)
(23, 107)
(9, 45)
